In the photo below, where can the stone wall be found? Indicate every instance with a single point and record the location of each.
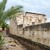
(39, 33)
(20, 30)
(13, 27)
(35, 27)
(29, 18)
(19, 19)
(33, 19)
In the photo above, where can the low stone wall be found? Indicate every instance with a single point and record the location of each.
(39, 33)
(20, 30)
(13, 27)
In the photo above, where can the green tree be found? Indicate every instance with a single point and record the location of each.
(8, 14)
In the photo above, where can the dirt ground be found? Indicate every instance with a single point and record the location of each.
(11, 44)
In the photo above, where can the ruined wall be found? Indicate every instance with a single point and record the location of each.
(13, 27)
(36, 28)
(38, 33)
(29, 18)
(16, 29)
(19, 19)
(20, 30)
(33, 19)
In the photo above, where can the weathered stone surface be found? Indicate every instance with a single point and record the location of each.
(10, 44)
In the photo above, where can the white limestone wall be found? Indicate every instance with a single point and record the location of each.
(13, 27)
(19, 19)
(30, 19)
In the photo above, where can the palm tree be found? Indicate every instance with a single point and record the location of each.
(8, 14)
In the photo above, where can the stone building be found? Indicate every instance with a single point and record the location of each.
(35, 27)
(38, 33)
(26, 19)
(33, 18)
(29, 18)
(19, 19)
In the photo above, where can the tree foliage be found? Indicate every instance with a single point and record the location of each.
(1, 41)
(8, 14)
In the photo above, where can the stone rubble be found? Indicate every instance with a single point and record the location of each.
(11, 45)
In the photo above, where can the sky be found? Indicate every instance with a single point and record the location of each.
(37, 6)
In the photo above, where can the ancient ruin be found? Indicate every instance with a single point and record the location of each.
(31, 26)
